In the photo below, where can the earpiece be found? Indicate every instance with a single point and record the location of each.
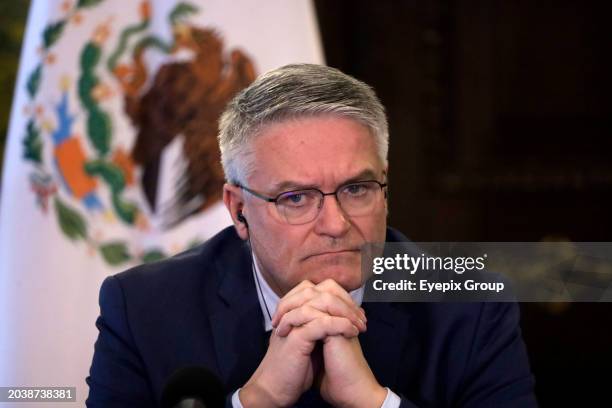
(242, 219)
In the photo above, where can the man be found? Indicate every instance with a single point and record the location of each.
(304, 150)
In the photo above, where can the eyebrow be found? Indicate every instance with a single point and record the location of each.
(288, 185)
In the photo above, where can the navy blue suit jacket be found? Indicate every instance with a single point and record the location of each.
(201, 308)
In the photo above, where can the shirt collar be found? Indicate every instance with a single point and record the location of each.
(269, 301)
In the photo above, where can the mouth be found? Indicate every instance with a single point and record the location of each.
(333, 253)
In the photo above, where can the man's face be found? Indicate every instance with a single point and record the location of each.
(322, 152)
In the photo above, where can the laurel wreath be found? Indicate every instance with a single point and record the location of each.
(101, 166)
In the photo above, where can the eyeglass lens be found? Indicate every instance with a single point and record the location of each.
(302, 206)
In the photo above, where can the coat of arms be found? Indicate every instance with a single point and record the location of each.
(82, 168)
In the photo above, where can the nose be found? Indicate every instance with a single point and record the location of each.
(331, 220)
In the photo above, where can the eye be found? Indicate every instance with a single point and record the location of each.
(295, 199)
(356, 189)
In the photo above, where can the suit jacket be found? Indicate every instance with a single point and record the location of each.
(201, 308)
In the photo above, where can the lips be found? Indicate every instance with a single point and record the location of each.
(332, 253)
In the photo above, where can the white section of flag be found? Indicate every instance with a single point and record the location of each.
(48, 284)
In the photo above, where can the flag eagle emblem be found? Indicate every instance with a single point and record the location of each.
(101, 185)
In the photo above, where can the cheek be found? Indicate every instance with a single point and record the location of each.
(270, 248)
(279, 251)
(381, 222)
(374, 228)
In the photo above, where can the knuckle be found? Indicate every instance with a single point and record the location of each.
(348, 325)
(328, 298)
(310, 291)
(283, 321)
(328, 320)
(308, 310)
(282, 303)
(280, 310)
(307, 283)
(331, 285)
(327, 283)
(288, 316)
(336, 309)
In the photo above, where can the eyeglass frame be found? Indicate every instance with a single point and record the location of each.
(334, 193)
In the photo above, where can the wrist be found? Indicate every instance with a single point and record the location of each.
(253, 395)
(378, 396)
(373, 398)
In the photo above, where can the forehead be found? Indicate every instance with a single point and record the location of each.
(320, 151)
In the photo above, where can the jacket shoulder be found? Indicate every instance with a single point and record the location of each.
(197, 269)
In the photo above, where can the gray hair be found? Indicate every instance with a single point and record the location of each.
(291, 92)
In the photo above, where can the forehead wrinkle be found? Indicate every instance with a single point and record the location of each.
(287, 185)
(313, 167)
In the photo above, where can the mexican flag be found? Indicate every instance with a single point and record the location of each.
(112, 158)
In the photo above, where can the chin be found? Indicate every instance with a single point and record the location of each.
(346, 274)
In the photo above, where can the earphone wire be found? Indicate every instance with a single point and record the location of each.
(257, 279)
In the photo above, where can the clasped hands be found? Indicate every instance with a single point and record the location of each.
(306, 316)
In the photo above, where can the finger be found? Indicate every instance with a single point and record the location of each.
(334, 306)
(330, 285)
(300, 286)
(327, 285)
(325, 326)
(323, 301)
(293, 300)
(296, 318)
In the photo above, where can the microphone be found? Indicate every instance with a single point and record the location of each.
(193, 387)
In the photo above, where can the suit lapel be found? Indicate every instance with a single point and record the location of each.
(388, 344)
(385, 341)
(237, 320)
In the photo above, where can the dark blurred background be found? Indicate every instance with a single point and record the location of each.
(501, 130)
(12, 24)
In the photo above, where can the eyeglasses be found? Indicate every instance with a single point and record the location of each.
(302, 206)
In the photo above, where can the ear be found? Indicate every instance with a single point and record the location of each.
(234, 202)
